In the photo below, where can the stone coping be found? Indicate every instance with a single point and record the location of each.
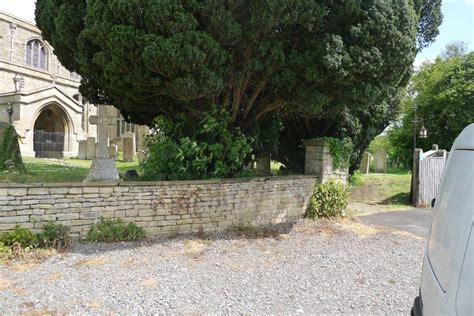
(153, 183)
(314, 142)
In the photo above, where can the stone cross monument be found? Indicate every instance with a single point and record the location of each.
(102, 167)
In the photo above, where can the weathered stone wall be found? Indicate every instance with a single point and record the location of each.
(161, 208)
(318, 161)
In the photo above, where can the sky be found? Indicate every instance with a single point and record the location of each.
(458, 23)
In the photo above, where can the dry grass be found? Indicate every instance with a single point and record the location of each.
(54, 277)
(359, 229)
(23, 266)
(150, 282)
(38, 312)
(4, 284)
(196, 247)
(93, 262)
(317, 227)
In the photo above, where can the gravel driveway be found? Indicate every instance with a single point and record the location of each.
(313, 267)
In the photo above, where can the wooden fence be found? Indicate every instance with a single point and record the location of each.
(428, 171)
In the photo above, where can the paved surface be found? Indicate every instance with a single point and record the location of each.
(416, 221)
(322, 267)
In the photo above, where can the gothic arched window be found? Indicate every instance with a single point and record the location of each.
(36, 54)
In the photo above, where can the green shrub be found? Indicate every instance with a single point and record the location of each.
(19, 236)
(9, 149)
(54, 236)
(182, 150)
(356, 179)
(328, 200)
(114, 230)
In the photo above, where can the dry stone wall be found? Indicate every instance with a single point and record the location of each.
(161, 208)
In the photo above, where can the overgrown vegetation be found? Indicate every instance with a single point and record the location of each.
(16, 243)
(110, 230)
(54, 236)
(355, 179)
(209, 150)
(341, 151)
(329, 200)
(10, 157)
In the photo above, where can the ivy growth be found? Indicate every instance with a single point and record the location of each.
(341, 151)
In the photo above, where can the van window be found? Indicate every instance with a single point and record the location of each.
(452, 218)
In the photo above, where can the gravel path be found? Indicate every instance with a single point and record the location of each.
(314, 267)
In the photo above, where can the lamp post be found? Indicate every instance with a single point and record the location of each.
(10, 112)
(423, 131)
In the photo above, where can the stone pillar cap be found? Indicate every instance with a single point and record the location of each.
(314, 142)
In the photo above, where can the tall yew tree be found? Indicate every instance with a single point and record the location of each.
(315, 67)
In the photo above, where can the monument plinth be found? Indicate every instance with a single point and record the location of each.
(102, 167)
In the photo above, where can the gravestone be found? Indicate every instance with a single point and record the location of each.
(113, 152)
(102, 168)
(263, 166)
(140, 156)
(365, 163)
(91, 148)
(128, 149)
(82, 154)
(380, 161)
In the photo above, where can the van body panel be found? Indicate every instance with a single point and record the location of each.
(448, 269)
(452, 221)
(465, 293)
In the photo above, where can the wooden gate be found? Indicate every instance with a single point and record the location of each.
(428, 171)
(48, 144)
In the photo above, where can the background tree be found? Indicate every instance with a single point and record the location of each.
(444, 98)
(324, 67)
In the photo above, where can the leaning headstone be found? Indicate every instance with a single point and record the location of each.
(263, 166)
(113, 152)
(91, 148)
(380, 161)
(128, 149)
(82, 154)
(140, 156)
(102, 168)
(365, 163)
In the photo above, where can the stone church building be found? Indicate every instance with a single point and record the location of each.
(49, 114)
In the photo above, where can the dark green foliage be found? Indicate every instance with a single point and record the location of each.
(444, 98)
(9, 149)
(329, 200)
(20, 236)
(326, 68)
(54, 236)
(108, 230)
(207, 150)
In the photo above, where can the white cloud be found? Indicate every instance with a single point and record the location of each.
(469, 2)
(24, 9)
(420, 61)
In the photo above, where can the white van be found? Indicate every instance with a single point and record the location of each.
(447, 280)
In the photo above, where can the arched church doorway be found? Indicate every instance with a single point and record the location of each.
(50, 132)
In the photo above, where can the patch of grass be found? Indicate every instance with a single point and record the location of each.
(389, 189)
(41, 170)
(108, 230)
